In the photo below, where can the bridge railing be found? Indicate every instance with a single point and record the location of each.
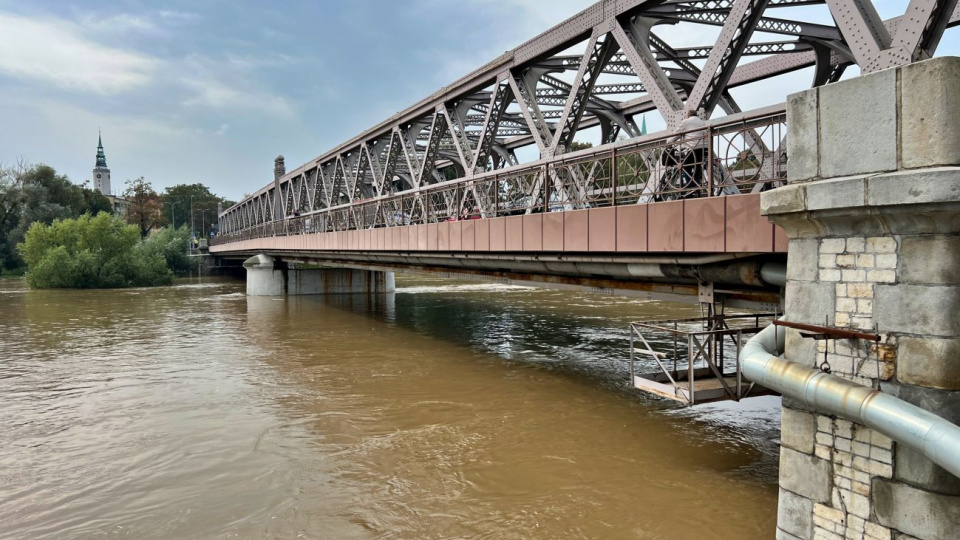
(744, 156)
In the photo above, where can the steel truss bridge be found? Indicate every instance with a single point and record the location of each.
(443, 177)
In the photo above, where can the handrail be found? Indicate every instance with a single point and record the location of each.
(742, 120)
(646, 169)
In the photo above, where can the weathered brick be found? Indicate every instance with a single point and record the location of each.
(917, 309)
(881, 244)
(855, 244)
(930, 108)
(886, 260)
(833, 275)
(795, 514)
(797, 429)
(805, 475)
(847, 304)
(858, 505)
(832, 245)
(857, 276)
(860, 290)
(803, 143)
(846, 260)
(824, 439)
(882, 276)
(858, 125)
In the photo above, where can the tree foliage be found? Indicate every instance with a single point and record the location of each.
(145, 209)
(204, 206)
(172, 244)
(37, 194)
(91, 252)
(577, 145)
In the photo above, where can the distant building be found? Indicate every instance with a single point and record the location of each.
(101, 181)
(101, 173)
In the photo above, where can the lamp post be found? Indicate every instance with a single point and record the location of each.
(193, 228)
(173, 213)
(203, 221)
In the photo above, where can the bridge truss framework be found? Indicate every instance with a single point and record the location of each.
(453, 154)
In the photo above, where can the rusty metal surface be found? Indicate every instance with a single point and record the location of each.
(832, 331)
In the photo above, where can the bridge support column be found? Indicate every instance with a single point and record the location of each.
(268, 277)
(872, 211)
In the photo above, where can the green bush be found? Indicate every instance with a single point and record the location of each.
(172, 244)
(91, 253)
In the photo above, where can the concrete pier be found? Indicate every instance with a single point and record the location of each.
(873, 217)
(267, 276)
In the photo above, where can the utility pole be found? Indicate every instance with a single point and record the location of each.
(193, 227)
(173, 213)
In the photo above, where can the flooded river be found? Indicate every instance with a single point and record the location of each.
(447, 410)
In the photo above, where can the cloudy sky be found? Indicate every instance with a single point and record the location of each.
(212, 91)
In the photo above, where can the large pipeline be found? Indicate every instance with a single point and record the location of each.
(925, 432)
(723, 269)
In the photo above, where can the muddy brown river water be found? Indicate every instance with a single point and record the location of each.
(447, 410)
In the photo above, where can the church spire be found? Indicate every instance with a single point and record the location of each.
(101, 157)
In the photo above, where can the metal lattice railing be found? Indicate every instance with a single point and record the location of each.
(724, 159)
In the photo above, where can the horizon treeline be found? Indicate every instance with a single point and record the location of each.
(37, 194)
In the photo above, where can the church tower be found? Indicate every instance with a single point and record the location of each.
(101, 174)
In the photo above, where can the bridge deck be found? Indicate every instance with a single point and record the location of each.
(731, 224)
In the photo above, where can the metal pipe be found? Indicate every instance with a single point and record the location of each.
(925, 432)
(774, 273)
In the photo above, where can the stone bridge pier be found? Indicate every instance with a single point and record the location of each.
(872, 211)
(267, 276)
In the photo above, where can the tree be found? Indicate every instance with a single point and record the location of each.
(172, 244)
(95, 202)
(204, 206)
(33, 194)
(145, 209)
(91, 252)
(576, 145)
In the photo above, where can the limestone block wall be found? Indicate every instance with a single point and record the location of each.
(872, 213)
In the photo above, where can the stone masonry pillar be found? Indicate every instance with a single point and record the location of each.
(268, 277)
(872, 211)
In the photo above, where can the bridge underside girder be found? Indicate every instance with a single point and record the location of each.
(736, 277)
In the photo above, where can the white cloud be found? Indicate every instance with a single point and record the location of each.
(226, 85)
(214, 94)
(56, 52)
(178, 16)
(119, 24)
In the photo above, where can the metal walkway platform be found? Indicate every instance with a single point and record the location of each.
(694, 360)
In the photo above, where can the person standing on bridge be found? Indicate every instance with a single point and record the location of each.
(695, 140)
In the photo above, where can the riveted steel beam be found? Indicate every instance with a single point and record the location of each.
(723, 59)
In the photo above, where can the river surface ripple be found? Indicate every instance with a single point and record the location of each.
(447, 410)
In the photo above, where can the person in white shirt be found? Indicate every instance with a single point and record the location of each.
(696, 142)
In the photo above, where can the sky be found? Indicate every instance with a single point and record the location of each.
(212, 91)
